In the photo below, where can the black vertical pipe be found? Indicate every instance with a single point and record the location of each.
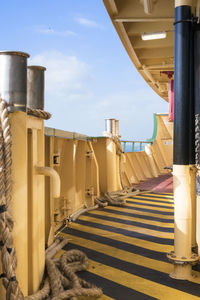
(191, 104)
(182, 85)
(197, 103)
(197, 71)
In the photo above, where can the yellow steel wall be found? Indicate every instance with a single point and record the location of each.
(75, 162)
(140, 166)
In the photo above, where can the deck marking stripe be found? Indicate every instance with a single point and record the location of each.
(150, 208)
(140, 212)
(156, 255)
(126, 256)
(152, 276)
(132, 228)
(157, 196)
(113, 210)
(166, 213)
(153, 239)
(127, 239)
(161, 207)
(129, 222)
(131, 218)
(111, 288)
(150, 201)
(158, 199)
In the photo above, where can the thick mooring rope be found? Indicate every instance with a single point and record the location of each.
(60, 280)
(8, 254)
(38, 113)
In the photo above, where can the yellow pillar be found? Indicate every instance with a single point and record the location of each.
(182, 256)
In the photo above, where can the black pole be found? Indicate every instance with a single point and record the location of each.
(191, 104)
(197, 71)
(197, 103)
(182, 85)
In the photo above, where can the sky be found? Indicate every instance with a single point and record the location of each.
(89, 75)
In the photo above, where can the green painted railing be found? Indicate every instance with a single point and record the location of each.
(134, 144)
(133, 147)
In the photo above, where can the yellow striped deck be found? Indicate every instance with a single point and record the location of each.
(127, 249)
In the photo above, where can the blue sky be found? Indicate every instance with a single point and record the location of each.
(89, 75)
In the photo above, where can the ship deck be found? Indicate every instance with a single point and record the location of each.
(127, 249)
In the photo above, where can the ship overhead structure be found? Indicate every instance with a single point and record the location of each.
(146, 30)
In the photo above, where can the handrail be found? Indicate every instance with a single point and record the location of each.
(125, 142)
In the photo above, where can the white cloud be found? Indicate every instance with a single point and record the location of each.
(50, 31)
(80, 102)
(66, 76)
(88, 23)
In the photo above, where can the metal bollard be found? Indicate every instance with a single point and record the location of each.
(13, 79)
(110, 126)
(35, 87)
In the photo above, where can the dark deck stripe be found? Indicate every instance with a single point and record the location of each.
(146, 273)
(117, 212)
(113, 289)
(150, 210)
(130, 233)
(148, 204)
(151, 200)
(118, 244)
(128, 222)
(157, 196)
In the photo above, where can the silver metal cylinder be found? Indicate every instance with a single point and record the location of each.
(13, 79)
(110, 126)
(117, 127)
(35, 87)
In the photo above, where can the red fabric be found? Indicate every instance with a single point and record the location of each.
(171, 100)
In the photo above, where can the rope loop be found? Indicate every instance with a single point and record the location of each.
(39, 113)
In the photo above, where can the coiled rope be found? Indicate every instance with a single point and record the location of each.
(60, 280)
(38, 113)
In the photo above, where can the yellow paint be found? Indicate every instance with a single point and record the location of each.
(108, 161)
(132, 211)
(159, 197)
(139, 284)
(183, 2)
(126, 239)
(27, 205)
(128, 218)
(162, 209)
(122, 254)
(131, 228)
(76, 164)
(167, 200)
(182, 220)
(150, 202)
